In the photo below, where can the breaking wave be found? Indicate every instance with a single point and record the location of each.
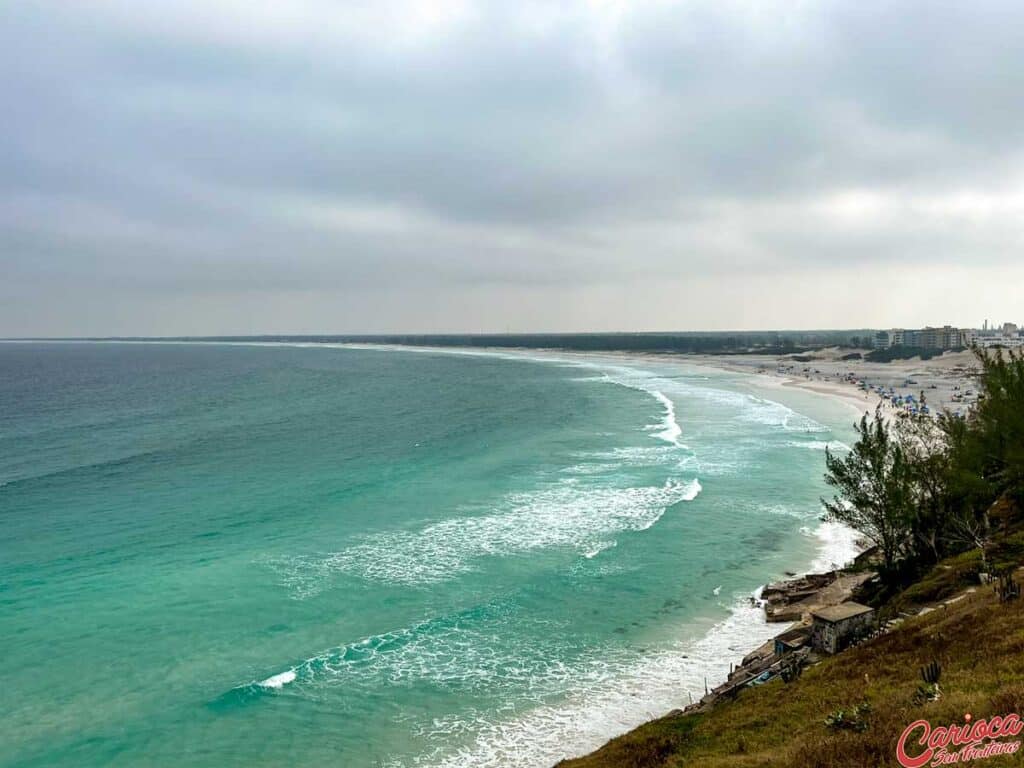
(279, 680)
(820, 445)
(562, 515)
(672, 430)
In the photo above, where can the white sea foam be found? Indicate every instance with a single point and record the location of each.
(693, 489)
(838, 546)
(593, 550)
(773, 414)
(671, 430)
(564, 514)
(600, 696)
(588, 469)
(464, 650)
(642, 381)
(604, 696)
(607, 697)
(820, 445)
(799, 511)
(564, 707)
(635, 456)
(279, 680)
(751, 409)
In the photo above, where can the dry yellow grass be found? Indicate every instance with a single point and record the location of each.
(978, 641)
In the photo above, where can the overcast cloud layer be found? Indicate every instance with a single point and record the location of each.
(436, 165)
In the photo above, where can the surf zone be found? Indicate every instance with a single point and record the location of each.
(953, 744)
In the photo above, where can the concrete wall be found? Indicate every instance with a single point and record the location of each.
(830, 638)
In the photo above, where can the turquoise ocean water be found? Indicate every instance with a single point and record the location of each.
(255, 555)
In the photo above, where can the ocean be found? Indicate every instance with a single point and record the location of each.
(311, 555)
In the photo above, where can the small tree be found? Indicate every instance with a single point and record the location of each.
(874, 487)
(926, 452)
(998, 422)
(974, 530)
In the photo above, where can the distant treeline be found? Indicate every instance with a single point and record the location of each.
(899, 352)
(740, 342)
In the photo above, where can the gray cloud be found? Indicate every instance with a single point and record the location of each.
(442, 165)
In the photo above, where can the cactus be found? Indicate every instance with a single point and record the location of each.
(791, 669)
(1007, 588)
(931, 673)
(929, 690)
(850, 719)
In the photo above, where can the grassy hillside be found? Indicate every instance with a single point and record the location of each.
(978, 641)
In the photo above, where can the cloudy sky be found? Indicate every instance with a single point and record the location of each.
(220, 166)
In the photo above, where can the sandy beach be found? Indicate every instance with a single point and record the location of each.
(947, 382)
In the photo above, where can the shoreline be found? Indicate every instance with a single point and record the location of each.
(943, 382)
(704, 657)
(701, 661)
(838, 546)
(726, 643)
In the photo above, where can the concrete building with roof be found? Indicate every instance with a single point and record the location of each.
(792, 640)
(837, 626)
(945, 337)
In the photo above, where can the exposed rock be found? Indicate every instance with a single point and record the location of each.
(794, 600)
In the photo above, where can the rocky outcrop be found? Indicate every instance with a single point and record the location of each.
(795, 599)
